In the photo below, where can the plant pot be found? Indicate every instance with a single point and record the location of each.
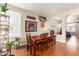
(9, 53)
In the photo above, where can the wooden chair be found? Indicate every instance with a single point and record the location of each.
(32, 46)
(52, 38)
(44, 40)
(29, 43)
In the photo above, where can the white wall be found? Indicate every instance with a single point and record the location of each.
(77, 29)
(24, 13)
(62, 38)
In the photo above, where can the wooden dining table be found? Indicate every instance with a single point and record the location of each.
(36, 39)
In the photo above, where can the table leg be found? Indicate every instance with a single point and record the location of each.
(30, 49)
(34, 50)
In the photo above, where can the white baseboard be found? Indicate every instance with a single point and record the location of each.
(61, 41)
(23, 44)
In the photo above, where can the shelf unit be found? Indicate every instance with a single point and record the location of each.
(4, 27)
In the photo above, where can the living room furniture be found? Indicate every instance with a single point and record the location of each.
(52, 38)
(42, 40)
(32, 43)
(4, 26)
(4, 29)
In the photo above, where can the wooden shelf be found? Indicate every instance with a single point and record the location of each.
(4, 15)
(4, 22)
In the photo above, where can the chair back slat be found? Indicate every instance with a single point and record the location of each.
(52, 32)
(28, 37)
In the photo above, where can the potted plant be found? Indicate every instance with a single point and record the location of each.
(8, 45)
(17, 41)
(4, 8)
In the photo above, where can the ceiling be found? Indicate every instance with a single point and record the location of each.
(47, 9)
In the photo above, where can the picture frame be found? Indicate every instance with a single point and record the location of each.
(31, 17)
(42, 24)
(42, 19)
(30, 26)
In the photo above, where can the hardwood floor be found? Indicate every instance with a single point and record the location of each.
(70, 48)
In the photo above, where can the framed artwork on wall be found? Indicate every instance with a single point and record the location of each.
(42, 19)
(31, 17)
(42, 24)
(30, 26)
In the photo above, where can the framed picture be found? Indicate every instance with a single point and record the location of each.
(30, 26)
(42, 19)
(31, 17)
(42, 24)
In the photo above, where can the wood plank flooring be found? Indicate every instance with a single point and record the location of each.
(70, 48)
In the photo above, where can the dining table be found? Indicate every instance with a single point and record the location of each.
(36, 39)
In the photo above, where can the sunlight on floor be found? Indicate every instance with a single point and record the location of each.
(72, 43)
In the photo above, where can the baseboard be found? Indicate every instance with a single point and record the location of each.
(23, 44)
(61, 41)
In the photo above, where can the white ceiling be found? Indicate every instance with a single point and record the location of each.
(47, 9)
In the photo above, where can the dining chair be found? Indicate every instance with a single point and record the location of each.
(44, 40)
(38, 43)
(32, 45)
(52, 38)
(29, 43)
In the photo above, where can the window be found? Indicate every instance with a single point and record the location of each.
(71, 27)
(71, 24)
(15, 23)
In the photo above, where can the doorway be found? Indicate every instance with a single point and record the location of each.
(72, 24)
